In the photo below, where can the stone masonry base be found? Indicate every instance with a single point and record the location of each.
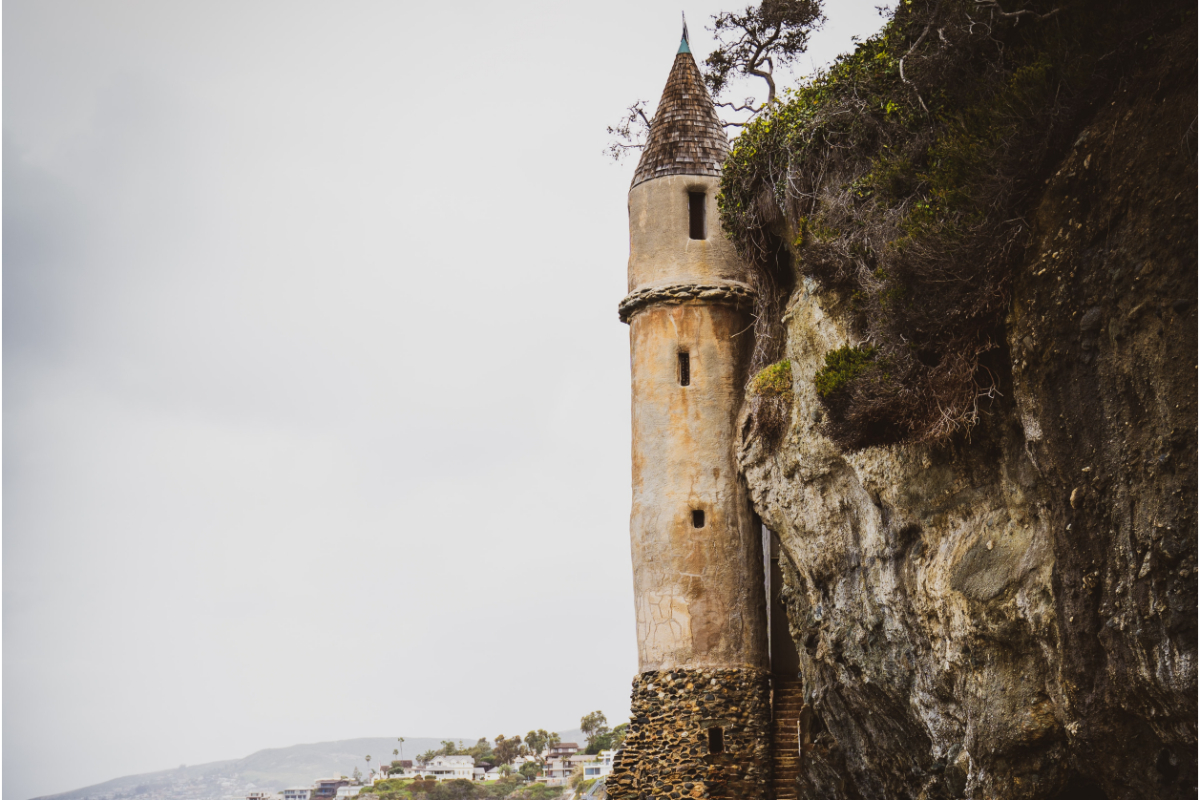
(671, 751)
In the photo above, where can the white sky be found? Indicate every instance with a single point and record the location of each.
(316, 421)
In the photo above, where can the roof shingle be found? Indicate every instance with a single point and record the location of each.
(686, 136)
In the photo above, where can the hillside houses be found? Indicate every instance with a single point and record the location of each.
(558, 770)
(557, 766)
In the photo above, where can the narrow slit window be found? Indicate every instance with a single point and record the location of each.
(696, 216)
(685, 369)
(716, 739)
(697, 518)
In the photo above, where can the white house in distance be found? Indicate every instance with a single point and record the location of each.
(446, 768)
(558, 770)
(601, 767)
(296, 793)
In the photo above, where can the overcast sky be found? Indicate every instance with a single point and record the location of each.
(316, 409)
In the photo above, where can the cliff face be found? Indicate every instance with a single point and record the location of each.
(1013, 614)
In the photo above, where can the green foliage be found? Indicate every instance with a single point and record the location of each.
(507, 748)
(774, 381)
(460, 789)
(906, 194)
(812, 230)
(618, 736)
(536, 791)
(536, 741)
(390, 786)
(842, 366)
(595, 728)
(457, 789)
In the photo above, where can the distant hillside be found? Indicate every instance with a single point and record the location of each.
(266, 770)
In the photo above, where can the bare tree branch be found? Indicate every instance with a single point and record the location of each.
(630, 133)
(916, 44)
(992, 5)
(750, 42)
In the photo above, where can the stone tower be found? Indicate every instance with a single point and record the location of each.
(701, 701)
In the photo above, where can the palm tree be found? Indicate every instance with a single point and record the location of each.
(401, 741)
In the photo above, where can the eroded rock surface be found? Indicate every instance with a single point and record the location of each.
(1013, 615)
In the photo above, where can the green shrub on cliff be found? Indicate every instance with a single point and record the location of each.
(843, 366)
(774, 381)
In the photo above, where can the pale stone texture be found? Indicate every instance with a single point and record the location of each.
(698, 591)
(660, 251)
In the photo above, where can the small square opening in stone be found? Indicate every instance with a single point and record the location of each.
(716, 739)
(697, 518)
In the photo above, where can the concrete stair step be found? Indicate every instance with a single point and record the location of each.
(785, 723)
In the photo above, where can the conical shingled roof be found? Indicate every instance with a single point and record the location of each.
(686, 137)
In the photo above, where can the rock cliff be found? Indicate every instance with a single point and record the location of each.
(1010, 611)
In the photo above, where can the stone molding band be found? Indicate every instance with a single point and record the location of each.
(681, 293)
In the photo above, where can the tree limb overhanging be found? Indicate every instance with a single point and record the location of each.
(750, 43)
(630, 133)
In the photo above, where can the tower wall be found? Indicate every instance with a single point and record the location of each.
(660, 251)
(701, 707)
(698, 590)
